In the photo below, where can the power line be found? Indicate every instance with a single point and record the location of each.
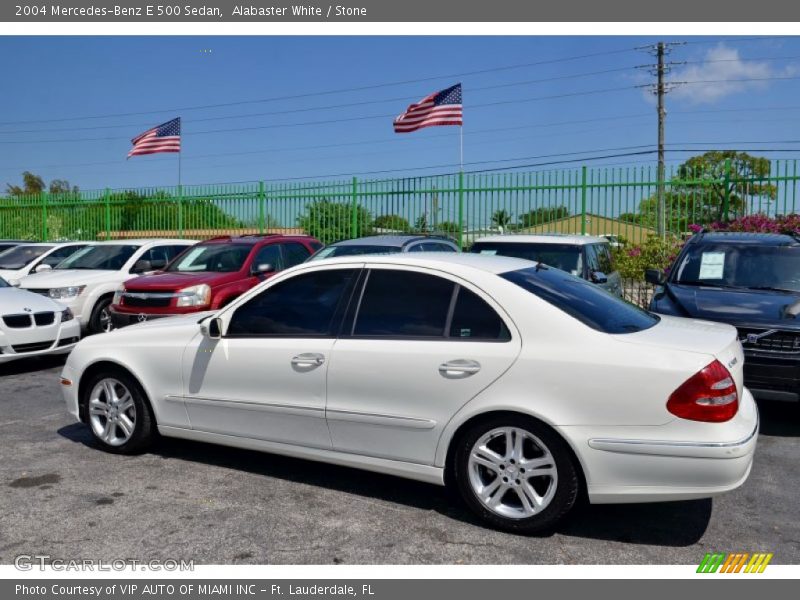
(329, 121)
(329, 92)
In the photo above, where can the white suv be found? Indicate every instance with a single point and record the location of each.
(86, 281)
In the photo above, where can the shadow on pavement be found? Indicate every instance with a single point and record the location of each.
(22, 366)
(781, 419)
(667, 524)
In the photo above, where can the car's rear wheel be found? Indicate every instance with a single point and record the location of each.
(516, 473)
(118, 413)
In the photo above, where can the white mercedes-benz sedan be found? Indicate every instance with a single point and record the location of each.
(518, 384)
(31, 325)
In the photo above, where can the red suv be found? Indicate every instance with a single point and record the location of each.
(208, 276)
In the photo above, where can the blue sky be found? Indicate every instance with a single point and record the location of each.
(52, 83)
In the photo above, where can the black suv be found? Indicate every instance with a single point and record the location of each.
(751, 281)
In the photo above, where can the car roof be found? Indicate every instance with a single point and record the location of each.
(482, 262)
(745, 237)
(545, 238)
(390, 240)
(145, 241)
(255, 238)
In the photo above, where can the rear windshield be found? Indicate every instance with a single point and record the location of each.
(353, 250)
(586, 302)
(567, 257)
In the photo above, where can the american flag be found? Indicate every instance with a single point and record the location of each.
(162, 138)
(440, 108)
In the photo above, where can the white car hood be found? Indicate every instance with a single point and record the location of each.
(14, 301)
(11, 274)
(68, 277)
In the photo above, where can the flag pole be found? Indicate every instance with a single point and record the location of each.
(461, 146)
(180, 186)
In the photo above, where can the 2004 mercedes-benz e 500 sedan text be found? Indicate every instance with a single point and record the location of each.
(518, 384)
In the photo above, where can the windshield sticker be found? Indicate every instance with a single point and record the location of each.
(712, 265)
(492, 252)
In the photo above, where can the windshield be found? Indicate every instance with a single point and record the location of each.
(353, 250)
(21, 256)
(586, 302)
(220, 258)
(106, 257)
(745, 266)
(566, 257)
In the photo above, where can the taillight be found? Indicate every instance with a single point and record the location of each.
(708, 395)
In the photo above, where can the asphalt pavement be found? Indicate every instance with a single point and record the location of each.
(63, 497)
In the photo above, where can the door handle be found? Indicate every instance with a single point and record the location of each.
(459, 368)
(308, 359)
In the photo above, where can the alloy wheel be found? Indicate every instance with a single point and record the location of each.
(112, 412)
(512, 472)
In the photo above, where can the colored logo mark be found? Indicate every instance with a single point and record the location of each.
(738, 562)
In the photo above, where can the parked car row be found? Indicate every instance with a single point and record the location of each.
(400, 355)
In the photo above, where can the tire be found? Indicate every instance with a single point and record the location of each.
(123, 427)
(496, 486)
(100, 319)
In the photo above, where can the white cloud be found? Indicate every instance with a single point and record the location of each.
(721, 67)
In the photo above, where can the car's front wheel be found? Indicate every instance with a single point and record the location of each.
(100, 318)
(516, 473)
(118, 413)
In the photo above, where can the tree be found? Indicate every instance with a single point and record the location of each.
(392, 222)
(501, 218)
(723, 181)
(62, 186)
(333, 221)
(450, 227)
(31, 184)
(421, 224)
(543, 214)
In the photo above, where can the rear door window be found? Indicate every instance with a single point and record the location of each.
(474, 319)
(403, 304)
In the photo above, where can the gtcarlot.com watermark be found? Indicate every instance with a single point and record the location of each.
(43, 562)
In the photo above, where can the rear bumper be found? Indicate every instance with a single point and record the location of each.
(682, 460)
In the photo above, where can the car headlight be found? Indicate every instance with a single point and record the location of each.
(118, 295)
(66, 292)
(197, 295)
(66, 315)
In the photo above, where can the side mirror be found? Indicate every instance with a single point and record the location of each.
(654, 276)
(42, 268)
(262, 269)
(599, 277)
(212, 328)
(142, 266)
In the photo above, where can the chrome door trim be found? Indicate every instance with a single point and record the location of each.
(287, 409)
(379, 419)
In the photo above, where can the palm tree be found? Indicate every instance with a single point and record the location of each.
(501, 218)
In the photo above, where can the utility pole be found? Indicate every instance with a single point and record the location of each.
(662, 113)
(661, 88)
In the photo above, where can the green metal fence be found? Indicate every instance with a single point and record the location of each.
(620, 200)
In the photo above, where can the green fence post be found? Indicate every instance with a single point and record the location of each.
(461, 210)
(583, 200)
(726, 199)
(44, 215)
(354, 210)
(180, 211)
(262, 209)
(107, 202)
